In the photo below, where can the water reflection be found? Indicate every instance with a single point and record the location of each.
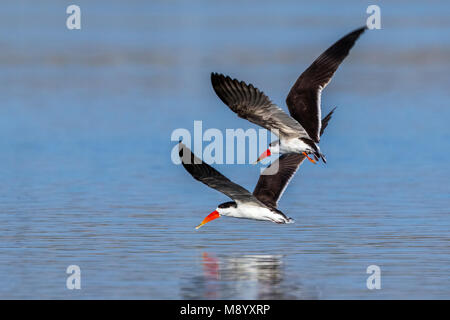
(244, 277)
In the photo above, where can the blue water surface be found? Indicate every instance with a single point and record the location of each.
(86, 119)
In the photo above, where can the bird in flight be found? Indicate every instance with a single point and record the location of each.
(300, 132)
(259, 205)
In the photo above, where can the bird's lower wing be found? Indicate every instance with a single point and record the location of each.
(303, 100)
(276, 177)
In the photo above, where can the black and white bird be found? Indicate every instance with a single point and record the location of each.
(300, 132)
(259, 205)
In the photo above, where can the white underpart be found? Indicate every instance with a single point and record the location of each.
(254, 212)
(294, 145)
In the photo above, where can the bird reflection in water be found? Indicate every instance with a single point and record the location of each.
(244, 277)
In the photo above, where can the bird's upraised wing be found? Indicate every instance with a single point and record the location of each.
(303, 100)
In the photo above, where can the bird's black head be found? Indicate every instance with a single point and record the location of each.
(226, 205)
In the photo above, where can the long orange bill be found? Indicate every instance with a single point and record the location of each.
(265, 154)
(210, 217)
(306, 155)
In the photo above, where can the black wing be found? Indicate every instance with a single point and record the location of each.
(253, 105)
(211, 177)
(303, 99)
(276, 177)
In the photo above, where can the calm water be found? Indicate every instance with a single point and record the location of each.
(85, 124)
